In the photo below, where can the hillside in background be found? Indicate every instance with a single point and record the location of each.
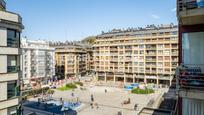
(89, 40)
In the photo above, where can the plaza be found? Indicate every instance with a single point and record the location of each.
(109, 103)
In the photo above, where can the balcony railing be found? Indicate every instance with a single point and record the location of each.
(189, 4)
(190, 77)
(13, 69)
(2, 4)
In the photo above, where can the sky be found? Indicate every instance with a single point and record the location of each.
(61, 20)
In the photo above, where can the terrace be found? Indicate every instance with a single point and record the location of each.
(190, 78)
(190, 12)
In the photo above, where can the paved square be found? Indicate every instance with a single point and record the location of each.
(110, 102)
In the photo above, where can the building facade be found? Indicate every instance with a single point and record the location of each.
(190, 75)
(38, 64)
(89, 60)
(70, 59)
(10, 29)
(148, 55)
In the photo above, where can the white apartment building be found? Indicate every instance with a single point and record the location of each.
(10, 29)
(38, 65)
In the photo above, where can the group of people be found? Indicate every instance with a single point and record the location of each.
(93, 104)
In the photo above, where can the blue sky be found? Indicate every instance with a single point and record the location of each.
(77, 19)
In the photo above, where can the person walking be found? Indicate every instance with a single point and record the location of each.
(135, 107)
(92, 101)
(92, 98)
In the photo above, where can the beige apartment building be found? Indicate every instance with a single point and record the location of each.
(10, 29)
(70, 60)
(148, 55)
(89, 60)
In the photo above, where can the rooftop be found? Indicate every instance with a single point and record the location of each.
(69, 44)
(148, 27)
(49, 109)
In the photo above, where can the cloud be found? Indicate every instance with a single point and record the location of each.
(173, 10)
(155, 16)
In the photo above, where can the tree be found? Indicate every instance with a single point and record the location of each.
(89, 40)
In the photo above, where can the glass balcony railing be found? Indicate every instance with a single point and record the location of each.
(13, 69)
(190, 4)
(190, 76)
(13, 91)
(13, 43)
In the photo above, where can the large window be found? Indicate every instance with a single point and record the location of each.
(193, 48)
(12, 89)
(13, 63)
(13, 38)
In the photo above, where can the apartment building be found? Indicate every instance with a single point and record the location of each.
(89, 60)
(148, 55)
(10, 29)
(38, 63)
(190, 75)
(70, 59)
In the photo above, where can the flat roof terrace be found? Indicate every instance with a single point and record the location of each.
(45, 109)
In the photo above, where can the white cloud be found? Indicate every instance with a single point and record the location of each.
(155, 16)
(173, 10)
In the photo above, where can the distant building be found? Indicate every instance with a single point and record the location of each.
(148, 55)
(38, 65)
(10, 29)
(71, 60)
(190, 76)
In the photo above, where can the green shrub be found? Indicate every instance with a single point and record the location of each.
(79, 83)
(71, 85)
(38, 91)
(67, 87)
(142, 91)
(50, 91)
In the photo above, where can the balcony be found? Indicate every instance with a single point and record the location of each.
(13, 69)
(190, 76)
(2, 4)
(8, 16)
(151, 54)
(151, 48)
(150, 60)
(190, 81)
(190, 12)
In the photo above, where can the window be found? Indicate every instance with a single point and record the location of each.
(13, 63)
(12, 110)
(13, 38)
(12, 89)
(193, 48)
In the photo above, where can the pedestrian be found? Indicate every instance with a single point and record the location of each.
(135, 107)
(72, 94)
(91, 105)
(96, 104)
(92, 98)
(105, 90)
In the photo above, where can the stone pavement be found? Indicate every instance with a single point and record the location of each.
(110, 102)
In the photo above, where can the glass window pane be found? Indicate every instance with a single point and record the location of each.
(193, 48)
